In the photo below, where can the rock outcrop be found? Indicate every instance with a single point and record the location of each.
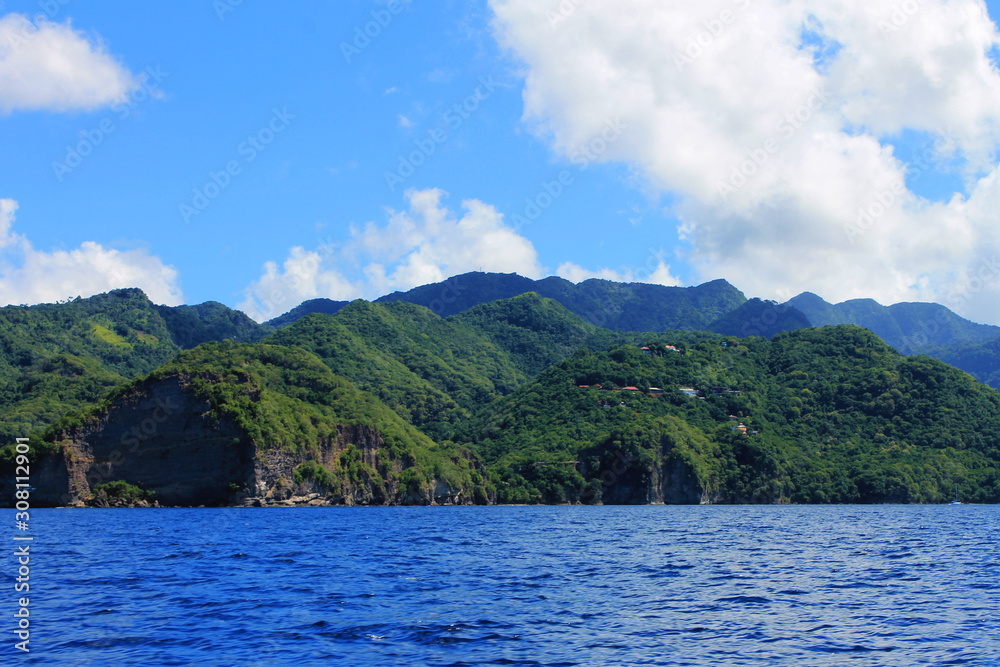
(667, 480)
(162, 437)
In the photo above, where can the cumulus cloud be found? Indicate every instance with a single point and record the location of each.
(32, 276)
(424, 244)
(658, 275)
(771, 123)
(51, 66)
(8, 207)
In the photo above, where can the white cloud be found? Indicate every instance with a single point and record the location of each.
(424, 244)
(300, 277)
(770, 123)
(659, 275)
(8, 207)
(31, 276)
(51, 66)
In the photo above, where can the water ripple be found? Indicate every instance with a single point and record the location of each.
(891, 585)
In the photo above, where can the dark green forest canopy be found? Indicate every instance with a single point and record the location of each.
(829, 414)
(839, 416)
(56, 358)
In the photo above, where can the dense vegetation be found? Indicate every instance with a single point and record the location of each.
(759, 318)
(981, 360)
(909, 327)
(615, 306)
(128, 494)
(432, 372)
(543, 398)
(535, 332)
(839, 416)
(191, 326)
(310, 307)
(286, 398)
(57, 358)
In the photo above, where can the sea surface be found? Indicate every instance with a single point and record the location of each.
(652, 585)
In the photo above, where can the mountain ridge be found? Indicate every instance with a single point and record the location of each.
(516, 400)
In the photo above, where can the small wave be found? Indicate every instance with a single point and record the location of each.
(745, 599)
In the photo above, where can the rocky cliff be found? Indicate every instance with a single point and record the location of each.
(163, 437)
(666, 479)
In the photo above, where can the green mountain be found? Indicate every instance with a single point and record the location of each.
(433, 372)
(916, 328)
(616, 306)
(828, 415)
(534, 331)
(310, 307)
(759, 318)
(519, 399)
(226, 421)
(980, 360)
(190, 326)
(57, 358)
(911, 328)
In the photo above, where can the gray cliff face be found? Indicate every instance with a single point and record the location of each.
(669, 480)
(162, 437)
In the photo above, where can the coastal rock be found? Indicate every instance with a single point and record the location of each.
(162, 437)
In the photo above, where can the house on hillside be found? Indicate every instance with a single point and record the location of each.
(655, 391)
(688, 391)
(671, 348)
(631, 389)
(645, 350)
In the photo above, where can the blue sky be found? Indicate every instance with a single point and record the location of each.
(252, 133)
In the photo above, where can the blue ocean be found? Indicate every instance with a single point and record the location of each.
(650, 585)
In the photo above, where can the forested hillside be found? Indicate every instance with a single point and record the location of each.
(431, 371)
(819, 415)
(56, 358)
(615, 306)
(515, 400)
